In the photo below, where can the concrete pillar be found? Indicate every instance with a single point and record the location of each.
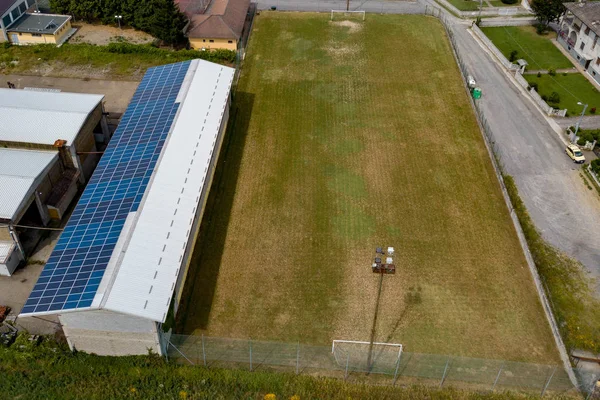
(15, 238)
(43, 210)
(77, 164)
(104, 126)
(3, 30)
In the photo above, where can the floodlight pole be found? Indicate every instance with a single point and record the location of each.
(373, 328)
(118, 18)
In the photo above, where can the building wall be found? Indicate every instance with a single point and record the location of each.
(572, 36)
(200, 210)
(111, 334)
(14, 12)
(86, 142)
(205, 43)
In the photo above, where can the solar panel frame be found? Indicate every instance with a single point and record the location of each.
(72, 275)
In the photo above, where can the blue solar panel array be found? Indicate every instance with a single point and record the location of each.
(73, 272)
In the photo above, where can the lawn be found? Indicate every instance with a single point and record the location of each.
(536, 49)
(466, 5)
(340, 142)
(571, 88)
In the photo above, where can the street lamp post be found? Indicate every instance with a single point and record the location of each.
(585, 106)
(119, 18)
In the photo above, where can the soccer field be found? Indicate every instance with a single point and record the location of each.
(349, 136)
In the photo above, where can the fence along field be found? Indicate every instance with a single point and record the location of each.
(342, 142)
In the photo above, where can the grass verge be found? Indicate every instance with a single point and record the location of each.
(571, 88)
(326, 159)
(52, 372)
(466, 5)
(536, 49)
(117, 60)
(575, 308)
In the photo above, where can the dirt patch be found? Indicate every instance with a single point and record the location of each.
(353, 27)
(104, 34)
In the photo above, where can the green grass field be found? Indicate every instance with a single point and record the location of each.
(536, 49)
(466, 5)
(340, 142)
(572, 88)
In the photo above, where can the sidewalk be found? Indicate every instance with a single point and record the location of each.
(588, 122)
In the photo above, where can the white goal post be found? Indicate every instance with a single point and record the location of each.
(358, 342)
(348, 12)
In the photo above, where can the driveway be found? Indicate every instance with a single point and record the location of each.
(564, 210)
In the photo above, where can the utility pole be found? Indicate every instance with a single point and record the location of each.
(585, 106)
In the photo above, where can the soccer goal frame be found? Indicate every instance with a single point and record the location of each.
(349, 12)
(398, 345)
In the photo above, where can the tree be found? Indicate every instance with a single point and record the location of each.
(160, 18)
(547, 11)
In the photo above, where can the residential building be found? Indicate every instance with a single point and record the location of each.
(220, 26)
(40, 29)
(10, 11)
(579, 33)
(47, 149)
(119, 267)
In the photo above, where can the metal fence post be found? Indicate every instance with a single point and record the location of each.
(548, 383)
(250, 342)
(498, 376)
(203, 351)
(298, 359)
(347, 363)
(397, 367)
(445, 370)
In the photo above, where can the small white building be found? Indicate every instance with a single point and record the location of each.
(119, 267)
(579, 33)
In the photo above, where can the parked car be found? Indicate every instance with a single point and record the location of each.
(575, 154)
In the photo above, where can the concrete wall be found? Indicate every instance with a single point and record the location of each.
(111, 334)
(10, 263)
(86, 142)
(205, 43)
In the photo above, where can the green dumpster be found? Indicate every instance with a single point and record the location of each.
(476, 93)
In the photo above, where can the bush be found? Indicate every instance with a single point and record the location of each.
(539, 75)
(533, 85)
(595, 164)
(510, 1)
(554, 98)
(581, 141)
(541, 29)
(544, 97)
(593, 110)
(552, 72)
(513, 55)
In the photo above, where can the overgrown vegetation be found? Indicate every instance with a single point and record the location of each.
(588, 135)
(595, 166)
(575, 308)
(160, 18)
(49, 371)
(115, 60)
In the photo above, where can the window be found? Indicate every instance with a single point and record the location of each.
(204, 40)
(6, 21)
(587, 30)
(598, 61)
(36, 34)
(211, 41)
(582, 46)
(230, 41)
(15, 13)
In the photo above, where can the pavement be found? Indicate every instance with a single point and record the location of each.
(587, 122)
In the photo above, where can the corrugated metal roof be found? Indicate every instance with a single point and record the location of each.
(19, 170)
(43, 117)
(153, 257)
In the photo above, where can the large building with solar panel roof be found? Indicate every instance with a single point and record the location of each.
(120, 264)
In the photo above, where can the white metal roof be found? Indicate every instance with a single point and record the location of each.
(43, 117)
(144, 281)
(19, 172)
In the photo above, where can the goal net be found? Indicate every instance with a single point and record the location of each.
(362, 357)
(343, 14)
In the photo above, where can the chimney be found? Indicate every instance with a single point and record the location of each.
(63, 153)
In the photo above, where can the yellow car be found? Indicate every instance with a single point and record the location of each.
(575, 154)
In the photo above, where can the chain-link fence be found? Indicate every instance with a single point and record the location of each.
(381, 363)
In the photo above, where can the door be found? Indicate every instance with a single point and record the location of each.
(14, 38)
(587, 64)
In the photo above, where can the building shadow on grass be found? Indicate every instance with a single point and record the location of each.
(199, 290)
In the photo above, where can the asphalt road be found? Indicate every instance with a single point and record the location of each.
(565, 211)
